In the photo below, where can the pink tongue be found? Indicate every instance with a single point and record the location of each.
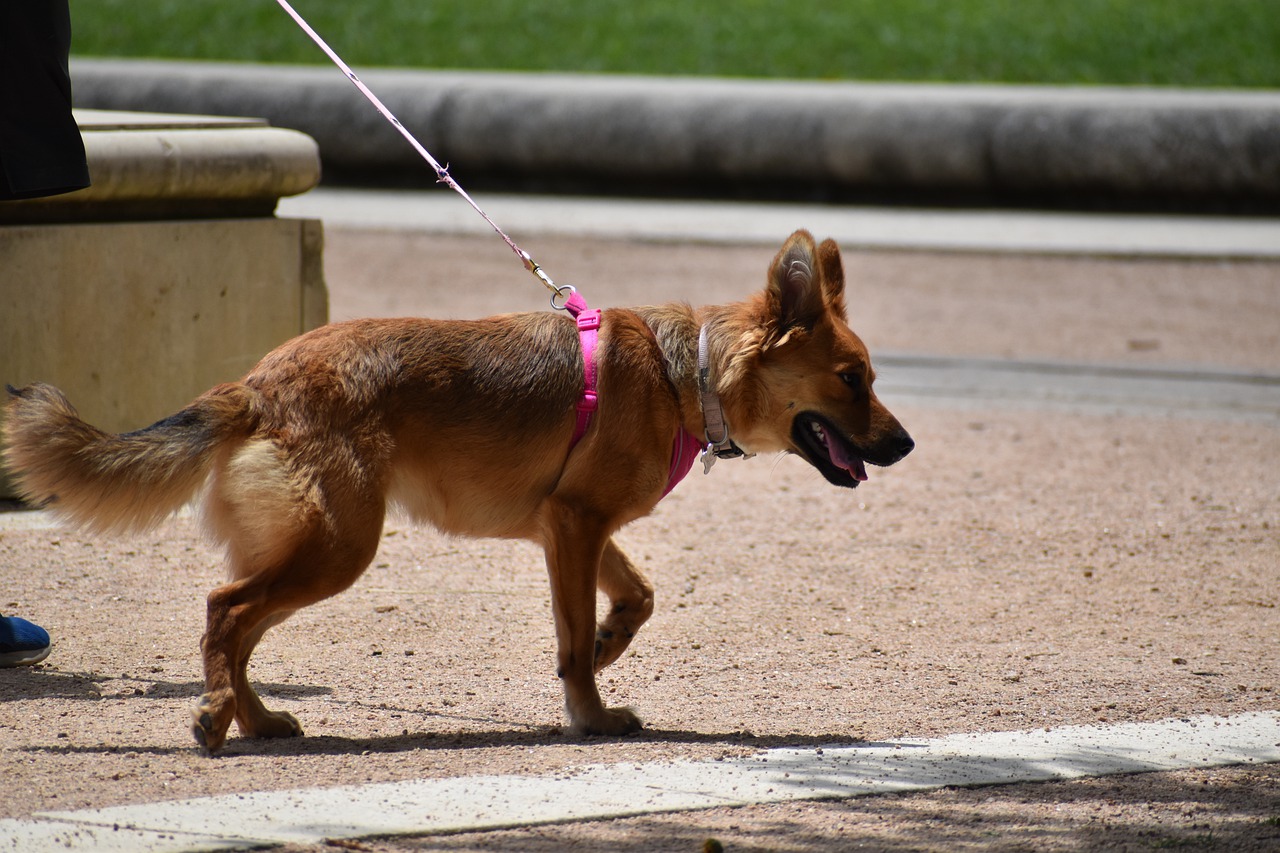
(853, 466)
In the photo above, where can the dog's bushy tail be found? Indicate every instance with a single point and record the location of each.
(117, 483)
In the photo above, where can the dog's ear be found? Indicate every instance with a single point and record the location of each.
(795, 284)
(805, 282)
(832, 269)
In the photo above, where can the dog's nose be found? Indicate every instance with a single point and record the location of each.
(905, 444)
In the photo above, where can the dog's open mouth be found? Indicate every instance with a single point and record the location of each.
(828, 450)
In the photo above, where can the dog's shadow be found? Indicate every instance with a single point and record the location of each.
(29, 683)
(486, 733)
(525, 736)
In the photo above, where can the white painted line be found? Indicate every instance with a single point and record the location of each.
(424, 807)
(732, 223)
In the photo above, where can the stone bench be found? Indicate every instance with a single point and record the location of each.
(170, 274)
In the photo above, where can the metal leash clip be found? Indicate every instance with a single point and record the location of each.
(560, 296)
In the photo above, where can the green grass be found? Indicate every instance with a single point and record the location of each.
(1147, 42)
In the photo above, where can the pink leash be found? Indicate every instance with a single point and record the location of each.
(588, 319)
(442, 172)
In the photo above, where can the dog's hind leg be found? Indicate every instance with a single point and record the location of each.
(630, 604)
(252, 717)
(239, 613)
(574, 546)
(230, 609)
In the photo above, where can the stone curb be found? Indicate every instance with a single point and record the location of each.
(147, 166)
(777, 138)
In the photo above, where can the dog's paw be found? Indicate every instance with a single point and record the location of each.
(611, 722)
(273, 724)
(209, 733)
(610, 645)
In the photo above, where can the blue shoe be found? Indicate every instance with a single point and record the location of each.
(22, 643)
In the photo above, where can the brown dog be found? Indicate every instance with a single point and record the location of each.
(466, 425)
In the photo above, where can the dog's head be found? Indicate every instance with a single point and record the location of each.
(798, 379)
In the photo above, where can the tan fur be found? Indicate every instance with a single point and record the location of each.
(465, 425)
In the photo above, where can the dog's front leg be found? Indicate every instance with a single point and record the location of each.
(574, 548)
(630, 604)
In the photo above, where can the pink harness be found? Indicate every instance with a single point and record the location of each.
(589, 332)
(686, 446)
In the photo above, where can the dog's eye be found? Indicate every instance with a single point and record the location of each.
(854, 381)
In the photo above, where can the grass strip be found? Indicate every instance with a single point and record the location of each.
(1222, 43)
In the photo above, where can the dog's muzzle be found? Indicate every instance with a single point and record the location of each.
(837, 457)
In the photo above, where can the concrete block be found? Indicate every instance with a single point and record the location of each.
(134, 319)
(167, 276)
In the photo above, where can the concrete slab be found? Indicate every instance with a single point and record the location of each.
(422, 807)
(442, 211)
(158, 167)
(1091, 388)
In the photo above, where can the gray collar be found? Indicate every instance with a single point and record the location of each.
(719, 444)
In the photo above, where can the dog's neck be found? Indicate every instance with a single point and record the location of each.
(675, 329)
(692, 361)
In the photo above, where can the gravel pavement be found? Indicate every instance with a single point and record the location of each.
(1026, 567)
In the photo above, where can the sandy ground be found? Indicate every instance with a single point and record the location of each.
(1021, 569)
